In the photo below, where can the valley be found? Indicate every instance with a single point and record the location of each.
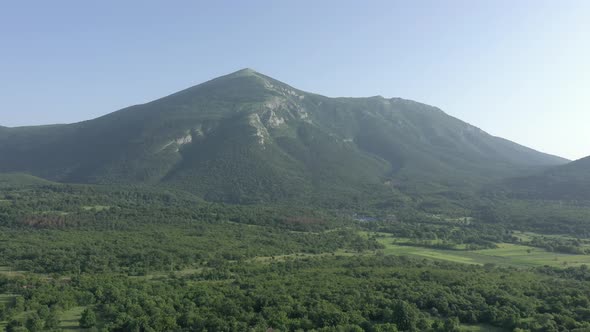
(295, 166)
(244, 204)
(89, 245)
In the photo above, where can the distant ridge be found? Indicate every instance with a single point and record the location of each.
(566, 182)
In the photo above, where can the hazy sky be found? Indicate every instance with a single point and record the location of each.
(517, 69)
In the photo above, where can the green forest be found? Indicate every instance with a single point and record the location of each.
(108, 258)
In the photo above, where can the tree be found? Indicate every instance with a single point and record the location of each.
(88, 318)
(387, 327)
(15, 325)
(52, 320)
(35, 323)
(452, 325)
(405, 316)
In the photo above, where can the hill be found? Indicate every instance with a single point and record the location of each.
(567, 182)
(246, 137)
(20, 180)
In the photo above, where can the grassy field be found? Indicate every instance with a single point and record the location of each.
(96, 208)
(69, 320)
(505, 254)
(480, 328)
(281, 258)
(8, 271)
(403, 241)
(165, 275)
(6, 298)
(528, 236)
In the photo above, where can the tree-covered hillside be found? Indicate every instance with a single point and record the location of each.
(246, 137)
(570, 182)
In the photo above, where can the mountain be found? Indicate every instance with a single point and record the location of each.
(565, 182)
(246, 137)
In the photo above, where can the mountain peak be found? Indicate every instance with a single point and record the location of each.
(247, 81)
(245, 72)
(247, 137)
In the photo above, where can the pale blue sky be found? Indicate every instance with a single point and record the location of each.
(517, 69)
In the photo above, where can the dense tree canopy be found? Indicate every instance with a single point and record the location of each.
(143, 260)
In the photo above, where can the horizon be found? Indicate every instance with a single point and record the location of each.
(517, 71)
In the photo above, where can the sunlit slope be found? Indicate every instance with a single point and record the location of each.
(246, 137)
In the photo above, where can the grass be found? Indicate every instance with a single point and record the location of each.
(69, 319)
(96, 208)
(528, 236)
(440, 254)
(6, 298)
(282, 258)
(528, 256)
(51, 212)
(159, 275)
(8, 271)
(402, 241)
(480, 328)
(505, 254)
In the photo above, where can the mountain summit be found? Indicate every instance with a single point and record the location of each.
(246, 137)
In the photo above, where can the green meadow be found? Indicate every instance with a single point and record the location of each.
(480, 328)
(505, 254)
(69, 320)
